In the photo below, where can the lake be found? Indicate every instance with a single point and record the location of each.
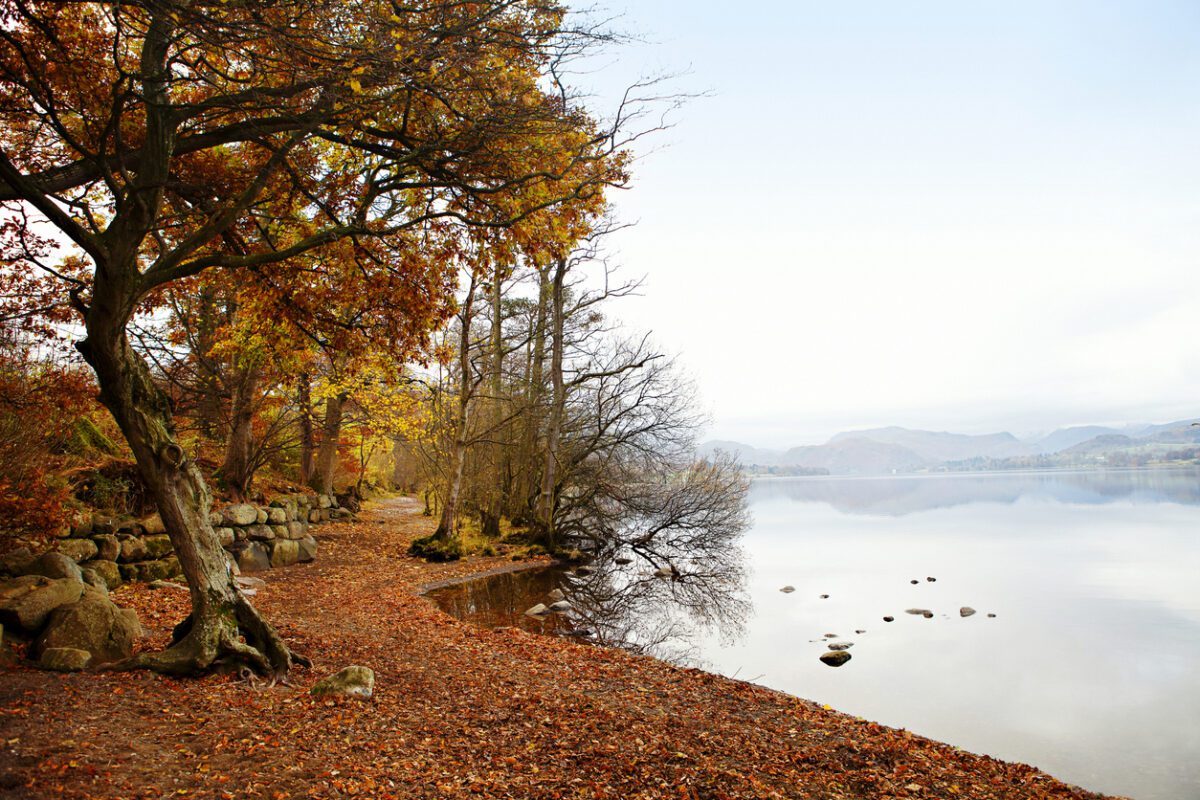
(1090, 668)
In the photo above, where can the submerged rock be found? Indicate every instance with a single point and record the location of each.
(788, 589)
(918, 612)
(932, 580)
(991, 616)
(860, 632)
(840, 645)
(350, 682)
(824, 597)
(835, 658)
(966, 611)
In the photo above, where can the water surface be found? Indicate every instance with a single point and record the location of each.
(1089, 668)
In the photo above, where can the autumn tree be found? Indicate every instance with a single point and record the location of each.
(166, 138)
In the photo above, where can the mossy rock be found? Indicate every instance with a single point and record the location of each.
(86, 439)
(432, 548)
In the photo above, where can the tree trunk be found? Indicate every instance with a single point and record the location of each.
(238, 469)
(307, 444)
(225, 627)
(458, 451)
(554, 425)
(527, 491)
(331, 431)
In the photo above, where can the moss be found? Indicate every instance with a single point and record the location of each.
(87, 439)
(432, 548)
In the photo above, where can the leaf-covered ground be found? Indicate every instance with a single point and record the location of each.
(458, 712)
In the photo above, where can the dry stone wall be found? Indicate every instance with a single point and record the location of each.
(257, 537)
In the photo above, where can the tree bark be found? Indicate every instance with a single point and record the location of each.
(331, 431)
(307, 444)
(458, 451)
(554, 424)
(238, 469)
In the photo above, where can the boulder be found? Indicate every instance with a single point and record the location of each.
(966, 611)
(154, 525)
(64, 659)
(94, 624)
(93, 578)
(537, 611)
(284, 552)
(352, 681)
(147, 571)
(240, 514)
(158, 546)
(260, 533)
(556, 595)
(77, 549)
(561, 607)
(261, 516)
(835, 658)
(103, 525)
(55, 565)
(26, 603)
(277, 516)
(81, 525)
(253, 557)
(133, 548)
(225, 536)
(108, 547)
(324, 501)
(297, 530)
(280, 531)
(108, 570)
(308, 549)
(16, 562)
(314, 515)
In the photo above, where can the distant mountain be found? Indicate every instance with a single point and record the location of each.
(1064, 438)
(882, 451)
(941, 446)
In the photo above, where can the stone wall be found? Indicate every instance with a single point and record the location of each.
(256, 537)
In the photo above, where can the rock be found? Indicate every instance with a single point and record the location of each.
(284, 552)
(835, 658)
(133, 548)
(622, 561)
(261, 516)
(158, 546)
(277, 516)
(889, 619)
(78, 549)
(131, 527)
(260, 533)
(108, 547)
(928, 615)
(824, 597)
(314, 515)
(840, 645)
(931, 580)
(537, 611)
(343, 514)
(64, 659)
(991, 616)
(240, 514)
(108, 570)
(860, 632)
(323, 514)
(918, 612)
(16, 562)
(280, 531)
(350, 682)
(94, 624)
(103, 525)
(831, 636)
(225, 536)
(561, 607)
(81, 525)
(253, 557)
(167, 585)
(914, 581)
(95, 579)
(308, 549)
(966, 611)
(324, 501)
(55, 565)
(297, 530)
(153, 525)
(149, 571)
(250, 583)
(27, 602)
(216, 519)
(788, 589)
(665, 572)
(556, 595)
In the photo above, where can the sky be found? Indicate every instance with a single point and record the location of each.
(957, 216)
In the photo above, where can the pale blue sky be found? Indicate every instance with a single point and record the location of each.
(961, 215)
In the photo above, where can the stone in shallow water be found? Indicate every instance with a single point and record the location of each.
(824, 597)
(991, 616)
(835, 658)
(932, 580)
(889, 619)
(788, 589)
(918, 612)
(966, 611)
(914, 581)
(840, 645)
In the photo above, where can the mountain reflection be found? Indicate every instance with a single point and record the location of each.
(896, 496)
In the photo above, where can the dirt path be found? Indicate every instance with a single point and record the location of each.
(458, 712)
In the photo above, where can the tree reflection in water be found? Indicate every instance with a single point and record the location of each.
(619, 605)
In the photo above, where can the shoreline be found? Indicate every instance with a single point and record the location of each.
(458, 711)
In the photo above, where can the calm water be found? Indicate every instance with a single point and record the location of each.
(1090, 669)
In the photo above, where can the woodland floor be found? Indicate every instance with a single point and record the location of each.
(458, 711)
